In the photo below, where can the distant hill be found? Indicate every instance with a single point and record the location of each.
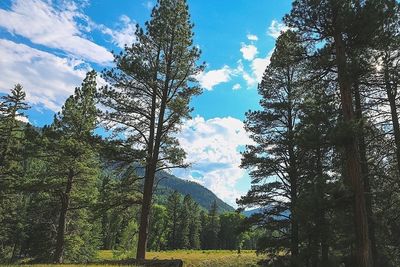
(248, 213)
(169, 183)
(203, 196)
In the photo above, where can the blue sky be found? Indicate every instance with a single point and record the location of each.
(48, 45)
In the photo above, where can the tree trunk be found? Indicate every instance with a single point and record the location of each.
(391, 94)
(322, 227)
(294, 236)
(365, 173)
(149, 175)
(154, 153)
(59, 251)
(293, 177)
(294, 247)
(353, 166)
(144, 215)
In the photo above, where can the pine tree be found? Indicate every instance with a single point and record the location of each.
(149, 93)
(72, 167)
(194, 225)
(212, 227)
(273, 161)
(12, 148)
(318, 119)
(340, 26)
(12, 107)
(203, 229)
(229, 233)
(184, 223)
(174, 204)
(158, 228)
(387, 77)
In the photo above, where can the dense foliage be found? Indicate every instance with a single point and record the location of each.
(325, 161)
(167, 183)
(148, 93)
(325, 164)
(66, 193)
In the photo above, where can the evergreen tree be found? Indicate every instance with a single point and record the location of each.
(387, 77)
(71, 171)
(12, 146)
(229, 233)
(174, 204)
(184, 223)
(158, 228)
(12, 108)
(212, 228)
(203, 229)
(319, 115)
(117, 205)
(273, 161)
(149, 93)
(194, 225)
(341, 26)
(385, 80)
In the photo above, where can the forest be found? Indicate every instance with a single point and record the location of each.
(324, 161)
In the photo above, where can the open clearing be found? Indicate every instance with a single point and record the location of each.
(191, 258)
(209, 258)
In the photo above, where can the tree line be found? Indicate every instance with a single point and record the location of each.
(325, 163)
(180, 223)
(58, 180)
(63, 198)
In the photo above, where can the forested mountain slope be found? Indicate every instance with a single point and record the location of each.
(203, 196)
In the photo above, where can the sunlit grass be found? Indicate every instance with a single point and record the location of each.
(209, 257)
(191, 258)
(65, 265)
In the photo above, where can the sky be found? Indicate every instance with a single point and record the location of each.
(49, 45)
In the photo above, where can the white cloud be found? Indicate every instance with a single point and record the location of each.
(251, 70)
(123, 34)
(250, 80)
(212, 146)
(22, 118)
(248, 51)
(258, 66)
(276, 28)
(254, 72)
(237, 86)
(212, 78)
(148, 4)
(46, 78)
(54, 27)
(252, 37)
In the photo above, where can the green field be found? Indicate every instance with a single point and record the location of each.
(201, 258)
(191, 258)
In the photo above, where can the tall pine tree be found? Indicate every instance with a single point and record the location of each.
(149, 93)
(273, 161)
(72, 167)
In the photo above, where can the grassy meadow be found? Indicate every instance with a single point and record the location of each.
(191, 258)
(205, 258)
(200, 258)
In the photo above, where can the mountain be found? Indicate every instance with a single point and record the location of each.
(168, 183)
(248, 213)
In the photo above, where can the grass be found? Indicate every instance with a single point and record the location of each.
(200, 258)
(191, 258)
(66, 265)
(206, 258)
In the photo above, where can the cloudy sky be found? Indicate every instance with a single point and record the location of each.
(49, 45)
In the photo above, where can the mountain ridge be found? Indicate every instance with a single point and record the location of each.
(168, 183)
